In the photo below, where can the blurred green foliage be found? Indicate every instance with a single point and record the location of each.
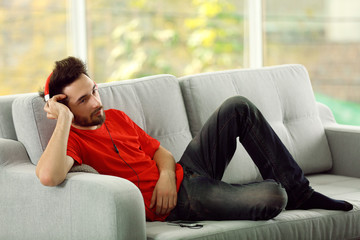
(32, 36)
(185, 37)
(136, 38)
(345, 112)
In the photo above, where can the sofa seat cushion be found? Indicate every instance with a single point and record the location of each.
(285, 97)
(295, 224)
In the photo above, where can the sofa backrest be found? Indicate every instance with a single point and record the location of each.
(154, 103)
(283, 94)
(7, 129)
(32, 127)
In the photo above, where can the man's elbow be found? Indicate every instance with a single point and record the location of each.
(49, 180)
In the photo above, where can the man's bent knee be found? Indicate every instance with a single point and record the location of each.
(274, 200)
(239, 104)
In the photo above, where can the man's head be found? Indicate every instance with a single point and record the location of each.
(70, 77)
(65, 72)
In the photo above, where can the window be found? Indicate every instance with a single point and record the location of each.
(32, 37)
(134, 38)
(130, 39)
(325, 37)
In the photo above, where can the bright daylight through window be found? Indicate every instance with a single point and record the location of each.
(134, 38)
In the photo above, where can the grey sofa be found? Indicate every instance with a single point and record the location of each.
(93, 206)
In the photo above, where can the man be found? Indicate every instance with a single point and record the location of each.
(192, 189)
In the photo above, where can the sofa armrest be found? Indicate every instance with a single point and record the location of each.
(344, 143)
(84, 206)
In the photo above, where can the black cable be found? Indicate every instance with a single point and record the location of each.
(117, 151)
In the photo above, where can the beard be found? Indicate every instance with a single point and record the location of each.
(94, 120)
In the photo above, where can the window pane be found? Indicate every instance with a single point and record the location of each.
(325, 37)
(32, 37)
(129, 39)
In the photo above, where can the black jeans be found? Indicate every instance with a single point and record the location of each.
(203, 196)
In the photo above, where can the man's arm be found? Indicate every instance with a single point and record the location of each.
(54, 164)
(165, 195)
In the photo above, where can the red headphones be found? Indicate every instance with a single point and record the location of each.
(46, 90)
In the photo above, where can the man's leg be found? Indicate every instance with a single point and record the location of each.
(212, 149)
(204, 198)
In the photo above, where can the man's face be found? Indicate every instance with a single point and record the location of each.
(84, 102)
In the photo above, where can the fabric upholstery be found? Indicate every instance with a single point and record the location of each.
(7, 129)
(155, 104)
(94, 206)
(11, 153)
(295, 224)
(344, 144)
(326, 116)
(86, 206)
(33, 128)
(283, 94)
(83, 168)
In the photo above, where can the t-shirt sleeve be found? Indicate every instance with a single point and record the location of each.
(148, 144)
(73, 149)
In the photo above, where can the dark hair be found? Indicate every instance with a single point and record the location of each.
(65, 72)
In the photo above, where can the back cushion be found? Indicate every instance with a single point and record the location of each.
(7, 129)
(154, 103)
(283, 94)
(32, 127)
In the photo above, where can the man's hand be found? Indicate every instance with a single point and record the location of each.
(164, 197)
(54, 164)
(54, 108)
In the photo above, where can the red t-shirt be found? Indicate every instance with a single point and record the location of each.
(95, 148)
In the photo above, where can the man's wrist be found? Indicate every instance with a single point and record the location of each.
(169, 173)
(65, 119)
